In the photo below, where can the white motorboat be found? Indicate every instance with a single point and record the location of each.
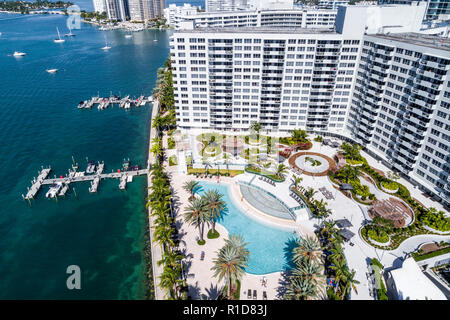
(59, 40)
(19, 54)
(106, 47)
(54, 189)
(129, 35)
(51, 70)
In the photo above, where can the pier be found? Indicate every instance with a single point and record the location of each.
(125, 103)
(125, 176)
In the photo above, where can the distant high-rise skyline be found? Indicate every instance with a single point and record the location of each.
(138, 10)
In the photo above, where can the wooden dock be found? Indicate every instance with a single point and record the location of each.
(42, 180)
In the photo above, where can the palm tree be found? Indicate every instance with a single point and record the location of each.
(196, 215)
(308, 249)
(348, 173)
(299, 135)
(310, 271)
(156, 149)
(171, 259)
(297, 181)
(229, 265)
(281, 170)
(215, 205)
(340, 270)
(169, 279)
(309, 193)
(237, 241)
(300, 289)
(191, 187)
(350, 283)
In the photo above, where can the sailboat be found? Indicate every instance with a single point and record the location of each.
(51, 70)
(59, 40)
(106, 47)
(70, 34)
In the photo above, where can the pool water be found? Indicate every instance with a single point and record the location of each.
(270, 247)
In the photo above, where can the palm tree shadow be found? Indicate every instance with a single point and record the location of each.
(213, 292)
(289, 246)
(194, 291)
(283, 283)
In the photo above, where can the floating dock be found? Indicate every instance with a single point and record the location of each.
(37, 183)
(104, 103)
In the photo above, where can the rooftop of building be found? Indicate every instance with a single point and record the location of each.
(261, 30)
(430, 41)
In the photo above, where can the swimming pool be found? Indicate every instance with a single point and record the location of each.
(270, 247)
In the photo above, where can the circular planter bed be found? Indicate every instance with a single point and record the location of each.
(388, 190)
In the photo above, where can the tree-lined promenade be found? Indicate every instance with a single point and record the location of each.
(25, 7)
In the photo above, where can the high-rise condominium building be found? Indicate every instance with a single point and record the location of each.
(99, 6)
(373, 80)
(117, 9)
(436, 9)
(400, 109)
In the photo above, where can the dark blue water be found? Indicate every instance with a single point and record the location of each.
(102, 233)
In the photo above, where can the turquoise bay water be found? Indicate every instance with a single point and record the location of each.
(102, 233)
(270, 248)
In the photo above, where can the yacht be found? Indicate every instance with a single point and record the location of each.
(70, 34)
(91, 167)
(54, 189)
(19, 54)
(59, 40)
(129, 35)
(51, 70)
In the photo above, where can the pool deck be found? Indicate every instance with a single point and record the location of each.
(200, 278)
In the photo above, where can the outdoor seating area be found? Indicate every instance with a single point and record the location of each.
(297, 198)
(271, 182)
(204, 175)
(327, 194)
(391, 209)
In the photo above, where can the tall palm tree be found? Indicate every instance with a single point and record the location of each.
(215, 205)
(156, 149)
(308, 249)
(171, 259)
(350, 283)
(237, 241)
(169, 279)
(196, 215)
(191, 187)
(310, 271)
(229, 265)
(300, 289)
(281, 170)
(340, 270)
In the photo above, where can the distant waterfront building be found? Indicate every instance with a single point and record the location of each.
(99, 6)
(117, 10)
(282, 18)
(332, 4)
(225, 5)
(175, 14)
(142, 10)
(436, 9)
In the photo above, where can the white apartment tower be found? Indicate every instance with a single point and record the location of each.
(142, 10)
(401, 106)
(117, 9)
(99, 6)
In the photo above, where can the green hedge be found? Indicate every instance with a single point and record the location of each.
(255, 170)
(390, 185)
(436, 253)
